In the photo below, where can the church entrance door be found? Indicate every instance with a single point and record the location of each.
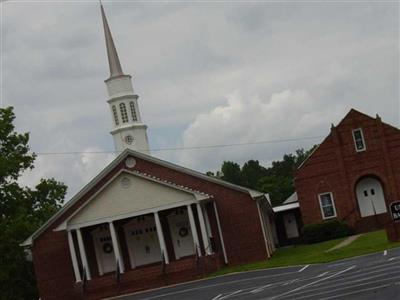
(181, 234)
(290, 226)
(142, 241)
(371, 199)
(104, 249)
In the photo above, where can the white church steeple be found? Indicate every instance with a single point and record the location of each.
(128, 129)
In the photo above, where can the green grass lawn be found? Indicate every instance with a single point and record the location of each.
(316, 253)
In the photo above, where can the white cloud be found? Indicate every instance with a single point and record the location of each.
(285, 115)
(76, 170)
(298, 67)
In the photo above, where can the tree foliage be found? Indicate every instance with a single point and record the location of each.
(231, 172)
(22, 209)
(277, 180)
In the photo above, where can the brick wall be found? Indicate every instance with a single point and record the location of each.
(336, 167)
(239, 222)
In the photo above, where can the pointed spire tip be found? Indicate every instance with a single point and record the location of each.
(113, 60)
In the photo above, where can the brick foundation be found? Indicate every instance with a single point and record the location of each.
(144, 278)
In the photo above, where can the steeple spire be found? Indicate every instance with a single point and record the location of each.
(129, 132)
(113, 60)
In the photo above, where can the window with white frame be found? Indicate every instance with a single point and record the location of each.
(359, 142)
(133, 111)
(327, 205)
(124, 114)
(114, 110)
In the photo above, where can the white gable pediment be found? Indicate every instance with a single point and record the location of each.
(130, 194)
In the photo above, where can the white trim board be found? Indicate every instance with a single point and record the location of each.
(286, 207)
(197, 196)
(113, 164)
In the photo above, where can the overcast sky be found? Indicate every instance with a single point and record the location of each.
(206, 74)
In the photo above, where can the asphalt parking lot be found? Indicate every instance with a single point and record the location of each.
(375, 276)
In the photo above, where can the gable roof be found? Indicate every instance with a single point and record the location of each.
(128, 152)
(292, 198)
(351, 112)
(162, 194)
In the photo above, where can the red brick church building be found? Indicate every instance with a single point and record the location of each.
(353, 175)
(143, 222)
(152, 222)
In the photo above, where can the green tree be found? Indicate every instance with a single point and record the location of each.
(252, 172)
(277, 180)
(22, 209)
(231, 172)
(279, 188)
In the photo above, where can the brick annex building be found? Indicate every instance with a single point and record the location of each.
(353, 175)
(143, 222)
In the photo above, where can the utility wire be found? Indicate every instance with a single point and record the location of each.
(187, 148)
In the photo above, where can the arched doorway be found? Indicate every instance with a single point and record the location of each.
(370, 197)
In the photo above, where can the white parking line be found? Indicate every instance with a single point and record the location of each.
(322, 274)
(196, 288)
(303, 268)
(393, 258)
(228, 295)
(260, 289)
(356, 292)
(338, 287)
(314, 282)
(291, 281)
(358, 274)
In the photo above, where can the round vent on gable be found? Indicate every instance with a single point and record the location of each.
(125, 182)
(130, 162)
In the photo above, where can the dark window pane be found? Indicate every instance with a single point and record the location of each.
(328, 211)
(326, 200)
(357, 135)
(358, 139)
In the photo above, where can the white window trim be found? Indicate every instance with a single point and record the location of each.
(333, 204)
(362, 137)
(115, 114)
(132, 108)
(123, 112)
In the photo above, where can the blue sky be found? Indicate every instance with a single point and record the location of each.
(206, 73)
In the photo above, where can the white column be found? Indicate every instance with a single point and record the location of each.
(206, 241)
(194, 230)
(73, 257)
(117, 251)
(269, 228)
(83, 253)
(160, 235)
(263, 229)
(208, 225)
(220, 233)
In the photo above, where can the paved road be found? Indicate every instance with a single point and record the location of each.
(375, 276)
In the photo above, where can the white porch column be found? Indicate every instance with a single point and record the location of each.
(204, 235)
(220, 233)
(269, 228)
(73, 257)
(83, 253)
(160, 235)
(194, 230)
(262, 223)
(117, 251)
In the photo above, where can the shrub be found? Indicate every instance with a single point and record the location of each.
(326, 230)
